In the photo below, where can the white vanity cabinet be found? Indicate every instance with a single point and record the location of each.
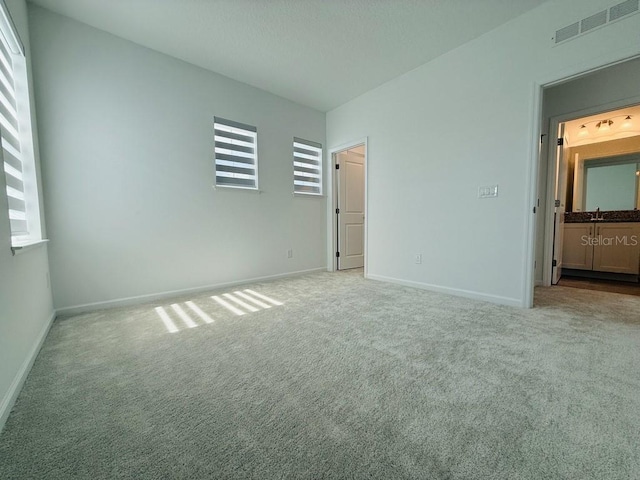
(602, 247)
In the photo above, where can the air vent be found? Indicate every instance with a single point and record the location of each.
(623, 9)
(593, 21)
(567, 32)
(600, 19)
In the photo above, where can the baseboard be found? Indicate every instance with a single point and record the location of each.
(127, 301)
(14, 390)
(512, 302)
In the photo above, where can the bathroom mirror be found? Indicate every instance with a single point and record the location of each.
(609, 184)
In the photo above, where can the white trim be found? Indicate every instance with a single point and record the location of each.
(332, 242)
(485, 297)
(234, 187)
(18, 381)
(19, 248)
(139, 299)
(531, 197)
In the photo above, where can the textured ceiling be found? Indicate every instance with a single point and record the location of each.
(319, 53)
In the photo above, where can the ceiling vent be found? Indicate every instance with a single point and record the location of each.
(600, 19)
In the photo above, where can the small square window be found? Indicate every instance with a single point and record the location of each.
(15, 133)
(307, 167)
(236, 154)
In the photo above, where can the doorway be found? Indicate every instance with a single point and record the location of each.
(348, 225)
(593, 201)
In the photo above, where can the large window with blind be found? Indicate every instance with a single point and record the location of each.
(236, 154)
(15, 133)
(307, 167)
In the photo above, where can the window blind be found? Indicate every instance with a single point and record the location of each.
(307, 167)
(10, 138)
(236, 154)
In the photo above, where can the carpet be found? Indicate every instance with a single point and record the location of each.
(335, 376)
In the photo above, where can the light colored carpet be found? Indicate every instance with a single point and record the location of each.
(347, 378)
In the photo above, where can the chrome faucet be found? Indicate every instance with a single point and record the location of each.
(597, 217)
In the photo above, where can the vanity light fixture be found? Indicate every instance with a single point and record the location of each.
(604, 125)
(584, 131)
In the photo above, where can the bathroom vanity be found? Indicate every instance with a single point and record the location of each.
(605, 242)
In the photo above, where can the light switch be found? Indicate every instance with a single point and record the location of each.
(488, 191)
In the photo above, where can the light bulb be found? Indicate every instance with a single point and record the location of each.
(604, 125)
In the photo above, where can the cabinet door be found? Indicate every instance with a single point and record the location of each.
(577, 249)
(617, 248)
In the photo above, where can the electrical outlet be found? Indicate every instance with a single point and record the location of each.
(418, 258)
(290, 253)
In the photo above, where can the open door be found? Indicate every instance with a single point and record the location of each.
(350, 171)
(562, 167)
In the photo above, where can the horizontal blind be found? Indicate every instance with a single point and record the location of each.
(236, 154)
(307, 167)
(10, 137)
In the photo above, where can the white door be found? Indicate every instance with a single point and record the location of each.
(562, 167)
(350, 210)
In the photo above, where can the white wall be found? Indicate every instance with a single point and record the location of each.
(126, 136)
(26, 309)
(614, 84)
(468, 118)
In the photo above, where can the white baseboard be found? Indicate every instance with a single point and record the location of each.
(123, 302)
(512, 302)
(14, 390)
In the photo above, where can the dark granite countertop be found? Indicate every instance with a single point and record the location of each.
(606, 217)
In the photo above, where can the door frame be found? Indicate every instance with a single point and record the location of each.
(549, 234)
(332, 204)
(538, 154)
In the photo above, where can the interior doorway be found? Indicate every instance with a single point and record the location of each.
(593, 201)
(349, 165)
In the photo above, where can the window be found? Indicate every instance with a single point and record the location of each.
(307, 167)
(16, 139)
(236, 154)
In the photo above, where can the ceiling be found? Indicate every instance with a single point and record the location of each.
(320, 53)
(621, 127)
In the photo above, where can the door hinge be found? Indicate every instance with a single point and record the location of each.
(337, 254)
(337, 166)
(554, 263)
(337, 210)
(560, 141)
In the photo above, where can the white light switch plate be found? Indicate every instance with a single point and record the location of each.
(488, 191)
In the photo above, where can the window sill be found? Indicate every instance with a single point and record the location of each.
(240, 189)
(308, 195)
(24, 246)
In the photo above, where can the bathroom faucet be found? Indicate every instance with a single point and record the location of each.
(597, 217)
